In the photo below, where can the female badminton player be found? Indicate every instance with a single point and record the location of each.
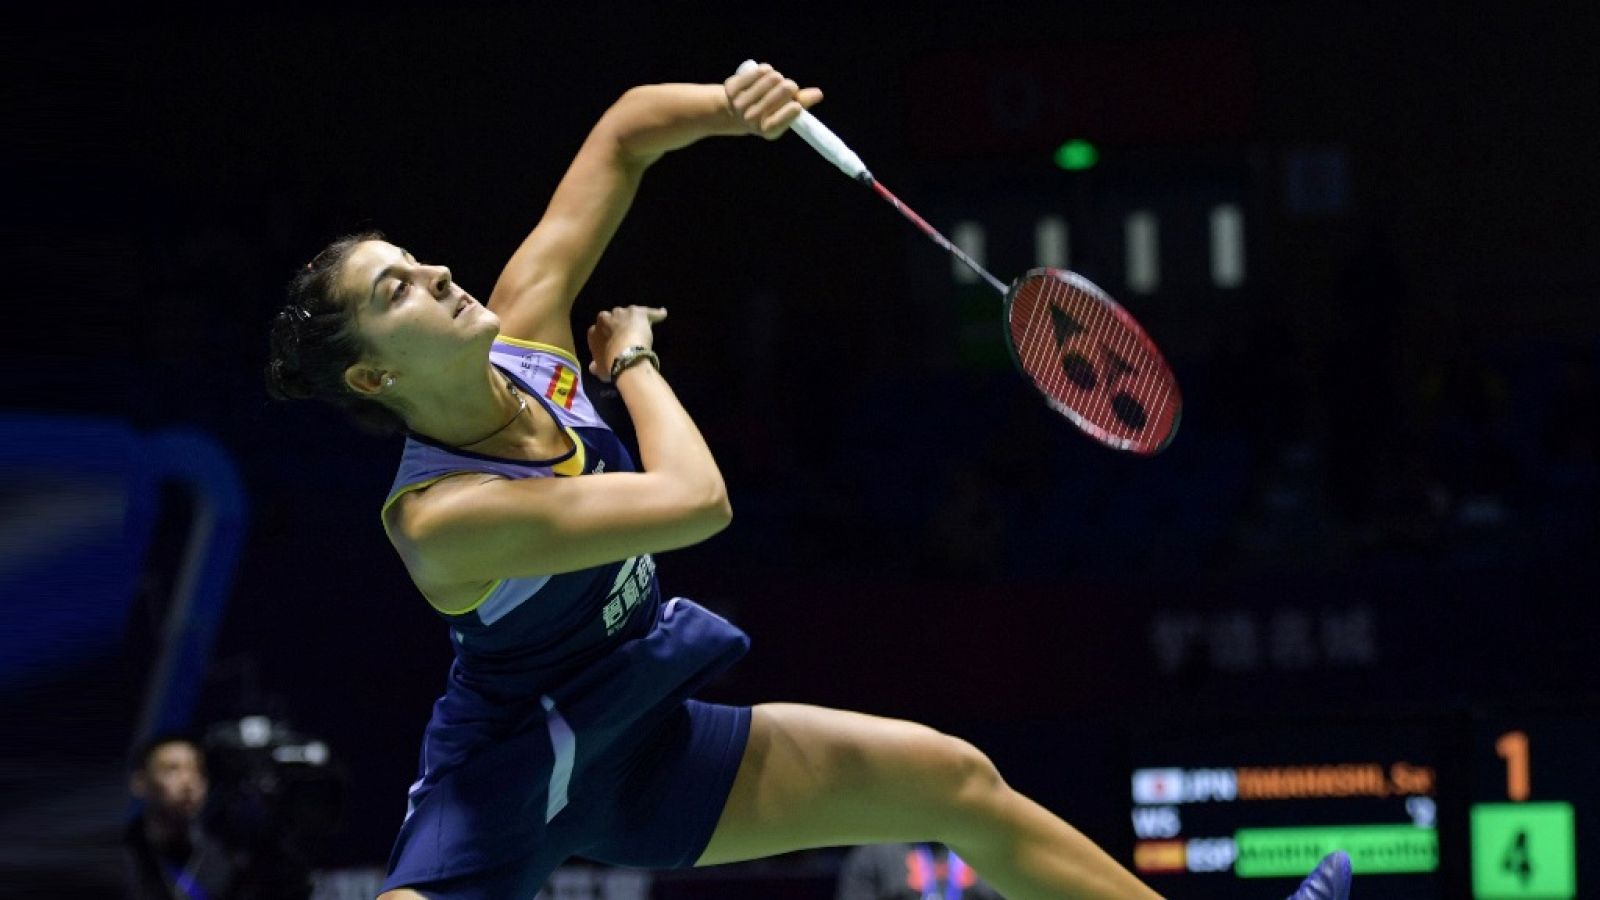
(567, 726)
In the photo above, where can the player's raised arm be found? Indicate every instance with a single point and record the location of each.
(534, 294)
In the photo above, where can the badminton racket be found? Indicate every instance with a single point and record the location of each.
(1086, 355)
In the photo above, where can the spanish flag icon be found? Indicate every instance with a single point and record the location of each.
(561, 384)
(1159, 857)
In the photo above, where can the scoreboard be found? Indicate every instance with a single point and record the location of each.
(1486, 807)
(1534, 821)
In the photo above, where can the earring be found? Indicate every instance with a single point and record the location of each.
(388, 381)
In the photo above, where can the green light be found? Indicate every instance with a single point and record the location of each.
(1373, 849)
(1076, 155)
(1523, 850)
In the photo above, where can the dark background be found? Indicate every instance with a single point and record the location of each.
(1389, 446)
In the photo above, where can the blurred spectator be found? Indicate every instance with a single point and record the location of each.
(169, 852)
(909, 872)
(172, 851)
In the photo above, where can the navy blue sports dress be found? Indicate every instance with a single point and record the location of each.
(566, 726)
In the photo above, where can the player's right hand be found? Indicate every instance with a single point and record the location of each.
(767, 103)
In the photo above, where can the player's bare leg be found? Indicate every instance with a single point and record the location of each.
(814, 777)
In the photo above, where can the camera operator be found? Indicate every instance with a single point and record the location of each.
(170, 854)
(190, 841)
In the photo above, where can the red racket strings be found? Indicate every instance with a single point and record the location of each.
(1092, 361)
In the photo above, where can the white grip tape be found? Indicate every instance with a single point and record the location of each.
(821, 138)
(828, 144)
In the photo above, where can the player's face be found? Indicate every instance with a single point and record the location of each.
(413, 315)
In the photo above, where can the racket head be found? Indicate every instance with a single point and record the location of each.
(1091, 361)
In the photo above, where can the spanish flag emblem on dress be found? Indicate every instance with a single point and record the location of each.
(561, 386)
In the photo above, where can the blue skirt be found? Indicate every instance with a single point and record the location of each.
(616, 765)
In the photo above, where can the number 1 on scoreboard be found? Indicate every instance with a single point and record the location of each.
(1513, 748)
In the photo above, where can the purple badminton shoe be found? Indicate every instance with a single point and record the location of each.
(1330, 880)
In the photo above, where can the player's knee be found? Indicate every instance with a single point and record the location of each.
(978, 799)
(401, 894)
(966, 777)
(979, 774)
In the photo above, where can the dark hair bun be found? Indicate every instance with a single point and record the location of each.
(313, 341)
(285, 380)
(284, 383)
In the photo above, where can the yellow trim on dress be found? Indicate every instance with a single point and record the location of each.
(383, 519)
(572, 465)
(535, 345)
(493, 586)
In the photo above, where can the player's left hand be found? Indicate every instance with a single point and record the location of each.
(765, 102)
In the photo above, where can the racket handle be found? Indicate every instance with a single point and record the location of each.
(823, 140)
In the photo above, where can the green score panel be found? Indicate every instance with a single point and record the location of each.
(1373, 849)
(1523, 851)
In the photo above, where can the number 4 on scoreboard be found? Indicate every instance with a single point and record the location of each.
(1523, 850)
(1516, 859)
